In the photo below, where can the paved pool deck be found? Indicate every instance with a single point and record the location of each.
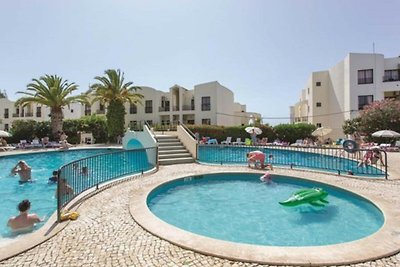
(107, 235)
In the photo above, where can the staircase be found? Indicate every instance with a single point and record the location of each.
(172, 151)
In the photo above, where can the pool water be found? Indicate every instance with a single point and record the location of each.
(237, 155)
(238, 207)
(40, 193)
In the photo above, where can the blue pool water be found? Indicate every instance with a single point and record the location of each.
(237, 155)
(238, 207)
(40, 193)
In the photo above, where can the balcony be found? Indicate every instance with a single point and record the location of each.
(390, 79)
(15, 115)
(100, 111)
(29, 114)
(187, 107)
(163, 109)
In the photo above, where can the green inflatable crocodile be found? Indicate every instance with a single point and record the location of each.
(314, 196)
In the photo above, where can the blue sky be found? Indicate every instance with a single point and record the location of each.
(262, 50)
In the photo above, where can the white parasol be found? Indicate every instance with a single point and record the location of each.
(4, 134)
(321, 131)
(386, 133)
(252, 129)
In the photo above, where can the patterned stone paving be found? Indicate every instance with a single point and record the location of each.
(106, 234)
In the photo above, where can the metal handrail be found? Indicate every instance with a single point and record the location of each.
(80, 175)
(187, 129)
(332, 159)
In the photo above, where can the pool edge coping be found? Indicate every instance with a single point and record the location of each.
(365, 249)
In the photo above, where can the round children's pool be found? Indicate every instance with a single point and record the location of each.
(238, 207)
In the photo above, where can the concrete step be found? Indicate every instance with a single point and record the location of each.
(168, 148)
(175, 161)
(166, 137)
(170, 144)
(172, 151)
(175, 156)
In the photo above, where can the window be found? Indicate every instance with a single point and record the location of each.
(364, 100)
(308, 90)
(6, 114)
(6, 127)
(101, 107)
(391, 75)
(150, 122)
(38, 112)
(319, 125)
(191, 122)
(205, 103)
(365, 76)
(206, 121)
(132, 109)
(192, 104)
(133, 125)
(88, 110)
(148, 108)
(318, 84)
(319, 104)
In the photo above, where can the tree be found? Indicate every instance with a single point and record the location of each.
(114, 93)
(51, 91)
(351, 126)
(380, 115)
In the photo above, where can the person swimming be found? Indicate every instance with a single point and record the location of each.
(266, 178)
(24, 171)
(53, 179)
(24, 221)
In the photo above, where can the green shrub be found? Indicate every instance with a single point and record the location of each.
(221, 132)
(89, 124)
(28, 129)
(291, 132)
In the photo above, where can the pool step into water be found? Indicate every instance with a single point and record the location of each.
(172, 151)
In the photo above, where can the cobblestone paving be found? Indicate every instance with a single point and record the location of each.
(106, 235)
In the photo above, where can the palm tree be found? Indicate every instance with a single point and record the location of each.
(114, 93)
(51, 91)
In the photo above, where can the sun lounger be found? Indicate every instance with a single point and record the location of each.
(228, 141)
(6, 148)
(238, 141)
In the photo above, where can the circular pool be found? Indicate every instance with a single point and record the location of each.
(238, 207)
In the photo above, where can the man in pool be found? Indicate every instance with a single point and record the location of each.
(24, 221)
(24, 171)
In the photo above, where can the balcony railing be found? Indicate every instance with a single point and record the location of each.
(100, 111)
(29, 114)
(187, 107)
(163, 109)
(390, 79)
(15, 115)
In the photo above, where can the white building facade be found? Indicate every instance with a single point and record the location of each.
(330, 97)
(208, 103)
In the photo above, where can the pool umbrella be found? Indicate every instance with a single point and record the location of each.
(386, 133)
(4, 134)
(256, 130)
(321, 131)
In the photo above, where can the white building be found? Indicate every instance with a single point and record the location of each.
(9, 112)
(330, 97)
(208, 103)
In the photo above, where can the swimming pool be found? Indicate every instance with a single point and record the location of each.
(216, 154)
(40, 193)
(238, 207)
